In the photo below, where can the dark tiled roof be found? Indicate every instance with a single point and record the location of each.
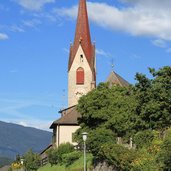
(69, 117)
(48, 147)
(115, 79)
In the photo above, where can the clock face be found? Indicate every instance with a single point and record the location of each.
(79, 92)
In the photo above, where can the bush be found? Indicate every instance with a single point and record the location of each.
(97, 138)
(55, 155)
(118, 156)
(144, 161)
(69, 158)
(144, 138)
(64, 149)
(52, 156)
(164, 157)
(31, 161)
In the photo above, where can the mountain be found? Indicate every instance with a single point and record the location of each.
(17, 139)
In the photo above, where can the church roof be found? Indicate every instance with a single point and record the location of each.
(115, 79)
(69, 117)
(82, 37)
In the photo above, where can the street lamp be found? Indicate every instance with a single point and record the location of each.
(84, 134)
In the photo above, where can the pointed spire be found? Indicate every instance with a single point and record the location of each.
(82, 35)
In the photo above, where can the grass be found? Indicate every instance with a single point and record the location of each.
(76, 166)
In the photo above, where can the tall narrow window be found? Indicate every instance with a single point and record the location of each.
(80, 76)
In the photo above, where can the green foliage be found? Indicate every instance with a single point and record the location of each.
(110, 108)
(75, 166)
(52, 156)
(144, 161)
(31, 161)
(55, 156)
(137, 111)
(164, 157)
(97, 138)
(70, 158)
(143, 138)
(10, 169)
(64, 149)
(118, 156)
(154, 99)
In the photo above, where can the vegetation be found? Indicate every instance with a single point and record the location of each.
(60, 154)
(31, 161)
(141, 111)
(139, 116)
(77, 165)
(17, 163)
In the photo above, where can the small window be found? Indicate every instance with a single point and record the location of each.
(80, 76)
(81, 58)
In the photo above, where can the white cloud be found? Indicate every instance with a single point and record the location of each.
(140, 18)
(160, 43)
(3, 36)
(33, 4)
(101, 52)
(66, 50)
(32, 23)
(39, 124)
(16, 28)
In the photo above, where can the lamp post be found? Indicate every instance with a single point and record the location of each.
(84, 134)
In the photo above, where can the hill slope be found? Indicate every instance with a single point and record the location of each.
(17, 139)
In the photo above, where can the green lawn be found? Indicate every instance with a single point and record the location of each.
(76, 166)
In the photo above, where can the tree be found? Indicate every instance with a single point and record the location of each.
(154, 99)
(31, 161)
(110, 108)
(107, 113)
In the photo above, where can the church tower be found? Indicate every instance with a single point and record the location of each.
(81, 66)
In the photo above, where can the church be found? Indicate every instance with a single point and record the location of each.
(81, 78)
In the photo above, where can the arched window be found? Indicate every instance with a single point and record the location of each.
(80, 76)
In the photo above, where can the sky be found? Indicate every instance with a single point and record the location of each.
(35, 36)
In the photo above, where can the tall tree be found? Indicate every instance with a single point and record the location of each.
(154, 98)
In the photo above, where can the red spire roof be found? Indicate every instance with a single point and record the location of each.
(82, 36)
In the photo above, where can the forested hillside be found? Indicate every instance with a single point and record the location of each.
(17, 139)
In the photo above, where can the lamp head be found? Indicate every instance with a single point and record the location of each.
(84, 134)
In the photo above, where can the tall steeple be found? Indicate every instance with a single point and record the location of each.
(82, 36)
(81, 66)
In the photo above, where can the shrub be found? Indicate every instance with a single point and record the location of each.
(118, 156)
(144, 138)
(144, 161)
(69, 158)
(64, 149)
(55, 155)
(164, 157)
(31, 161)
(97, 138)
(52, 156)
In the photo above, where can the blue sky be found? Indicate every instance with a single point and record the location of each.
(35, 36)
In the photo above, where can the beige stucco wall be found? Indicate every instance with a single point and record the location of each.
(65, 134)
(73, 88)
